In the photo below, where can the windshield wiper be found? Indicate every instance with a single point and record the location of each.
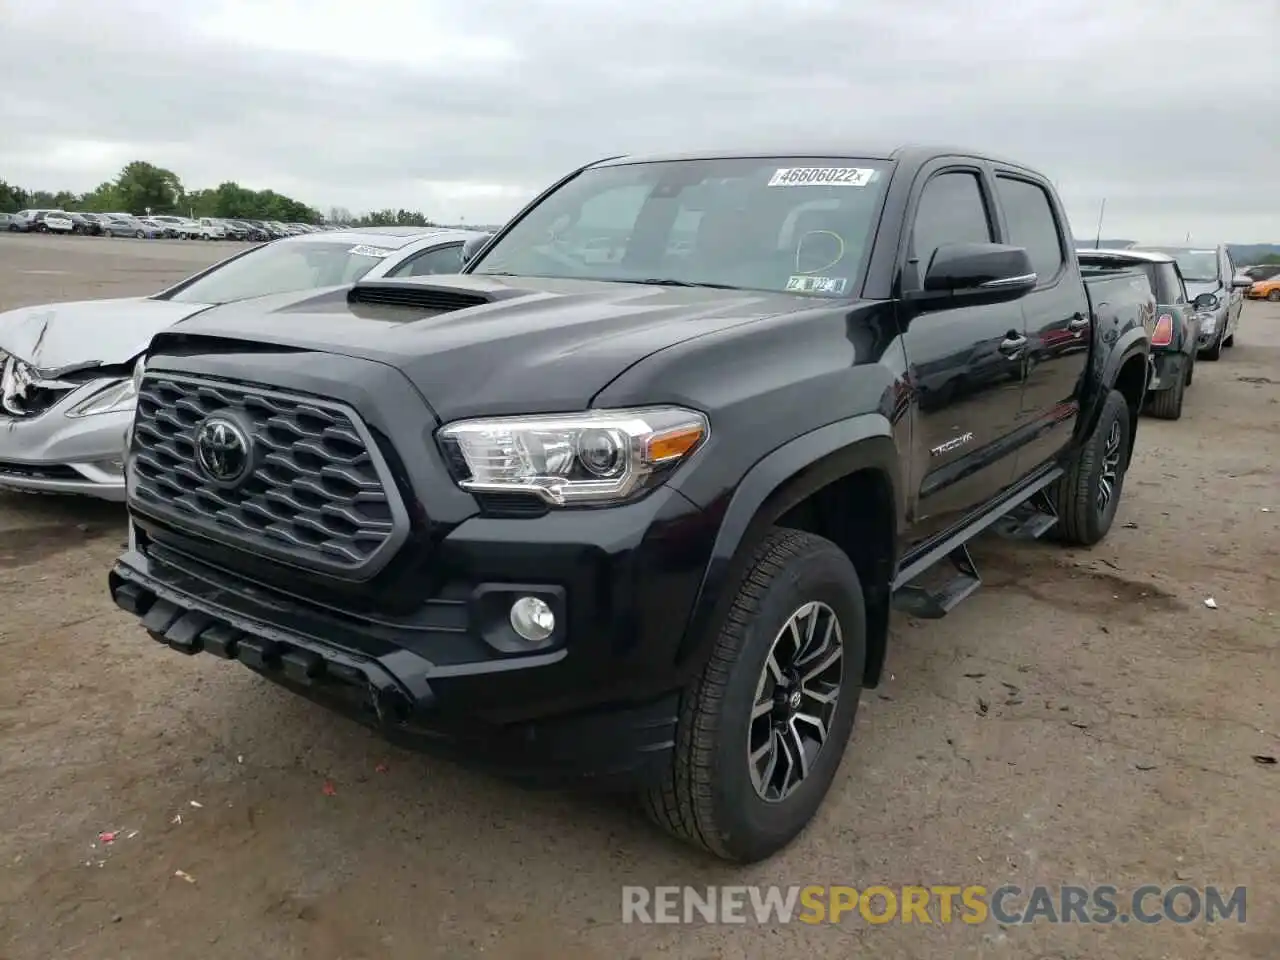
(668, 282)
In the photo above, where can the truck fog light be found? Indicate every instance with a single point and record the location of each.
(532, 619)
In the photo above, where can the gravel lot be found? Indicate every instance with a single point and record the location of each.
(1083, 719)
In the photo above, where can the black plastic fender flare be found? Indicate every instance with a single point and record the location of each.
(775, 484)
(1132, 343)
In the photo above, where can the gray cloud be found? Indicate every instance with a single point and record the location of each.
(467, 109)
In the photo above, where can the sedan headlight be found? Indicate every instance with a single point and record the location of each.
(115, 396)
(598, 456)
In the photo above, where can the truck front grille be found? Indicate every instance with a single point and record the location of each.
(318, 493)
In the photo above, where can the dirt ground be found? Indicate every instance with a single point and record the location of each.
(1085, 719)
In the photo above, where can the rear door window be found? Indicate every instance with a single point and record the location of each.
(1032, 224)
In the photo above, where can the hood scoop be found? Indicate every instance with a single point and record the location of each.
(393, 293)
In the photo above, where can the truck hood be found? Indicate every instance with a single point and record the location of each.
(500, 344)
(61, 338)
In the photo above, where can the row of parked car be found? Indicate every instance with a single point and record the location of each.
(1198, 303)
(1266, 282)
(158, 226)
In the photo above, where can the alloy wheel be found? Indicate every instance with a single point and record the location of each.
(795, 701)
(1110, 467)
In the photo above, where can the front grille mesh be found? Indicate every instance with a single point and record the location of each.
(314, 495)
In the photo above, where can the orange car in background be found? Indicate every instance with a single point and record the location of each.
(1268, 289)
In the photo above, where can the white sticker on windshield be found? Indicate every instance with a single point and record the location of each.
(362, 250)
(806, 284)
(821, 177)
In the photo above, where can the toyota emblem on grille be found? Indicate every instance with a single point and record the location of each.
(222, 450)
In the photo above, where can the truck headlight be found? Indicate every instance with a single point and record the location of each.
(598, 456)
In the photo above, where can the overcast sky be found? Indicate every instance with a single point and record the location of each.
(464, 108)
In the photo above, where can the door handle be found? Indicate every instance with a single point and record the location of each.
(1078, 322)
(1012, 346)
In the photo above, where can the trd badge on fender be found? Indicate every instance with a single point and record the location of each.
(222, 450)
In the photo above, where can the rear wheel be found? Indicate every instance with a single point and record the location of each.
(1088, 495)
(1166, 404)
(1230, 341)
(763, 728)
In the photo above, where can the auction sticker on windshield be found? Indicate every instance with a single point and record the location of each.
(807, 284)
(821, 177)
(362, 250)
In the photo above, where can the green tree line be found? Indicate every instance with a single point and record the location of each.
(143, 186)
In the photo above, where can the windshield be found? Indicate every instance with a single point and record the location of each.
(786, 225)
(1200, 266)
(283, 268)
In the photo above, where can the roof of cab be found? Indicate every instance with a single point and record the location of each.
(909, 153)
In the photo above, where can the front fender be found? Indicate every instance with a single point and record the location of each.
(770, 488)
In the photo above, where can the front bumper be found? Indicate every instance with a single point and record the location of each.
(597, 702)
(1211, 327)
(54, 453)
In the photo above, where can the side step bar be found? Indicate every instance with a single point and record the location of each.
(1025, 514)
(935, 602)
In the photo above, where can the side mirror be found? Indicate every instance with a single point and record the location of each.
(977, 272)
(1206, 301)
(1241, 283)
(472, 247)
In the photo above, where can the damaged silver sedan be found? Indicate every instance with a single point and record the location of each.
(67, 385)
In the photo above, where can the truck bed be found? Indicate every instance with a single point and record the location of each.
(1120, 295)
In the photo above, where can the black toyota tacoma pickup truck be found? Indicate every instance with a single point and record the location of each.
(630, 499)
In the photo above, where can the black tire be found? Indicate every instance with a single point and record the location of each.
(1082, 520)
(708, 797)
(141, 235)
(1166, 404)
(1214, 352)
(1191, 367)
(1230, 341)
(1274, 296)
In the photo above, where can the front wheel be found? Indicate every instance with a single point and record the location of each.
(1214, 352)
(1088, 495)
(763, 728)
(1273, 296)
